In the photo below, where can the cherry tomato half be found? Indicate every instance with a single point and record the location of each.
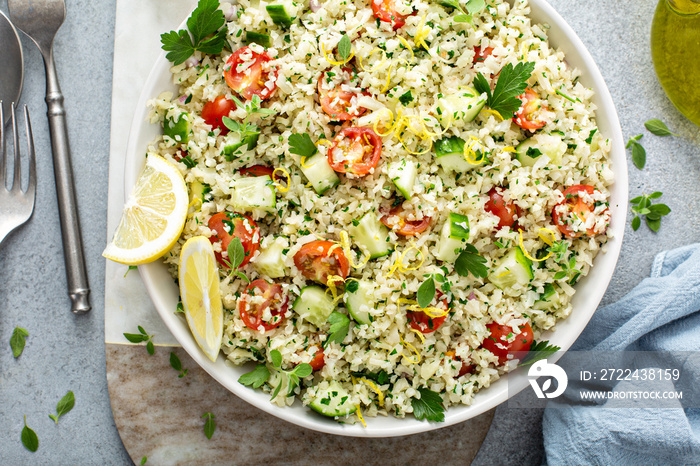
(396, 219)
(422, 322)
(319, 359)
(257, 170)
(228, 225)
(259, 296)
(249, 73)
(507, 213)
(574, 205)
(340, 105)
(385, 10)
(530, 114)
(355, 150)
(481, 54)
(465, 369)
(214, 110)
(320, 259)
(503, 339)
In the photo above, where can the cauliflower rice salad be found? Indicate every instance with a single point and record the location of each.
(406, 191)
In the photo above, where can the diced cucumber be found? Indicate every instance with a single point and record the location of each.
(252, 37)
(360, 301)
(283, 13)
(450, 155)
(233, 145)
(270, 261)
(178, 130)
(551, 145)
(319, 172)
(513, 268)
(548, 299)
(372, 235)
(314, 305)
(403, 174)
(462, 105)
(199, 191)
(448, 248)
(333, 401)
(254, 192)
(459, 226)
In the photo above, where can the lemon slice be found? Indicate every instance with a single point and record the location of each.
(153, 216)
(199, 291)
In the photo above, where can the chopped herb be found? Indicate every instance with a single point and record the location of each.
(352, 286)
(406, 98)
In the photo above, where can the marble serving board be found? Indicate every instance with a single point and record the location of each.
(159, 415)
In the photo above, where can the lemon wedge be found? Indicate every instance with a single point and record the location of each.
(153, 216)
(199, 291)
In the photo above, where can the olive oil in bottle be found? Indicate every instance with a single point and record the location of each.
(675, 50)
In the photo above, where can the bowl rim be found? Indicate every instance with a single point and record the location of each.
(568, 329)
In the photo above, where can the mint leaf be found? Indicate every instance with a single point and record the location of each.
(64, 406)
(538, 351)
(276, 357)
(340, 325)
(236, 253)
(658, 127)
(209, 425)
(18, 340)
(639, 155)
(29, 438)
(636, 223)
(511, 83)
(429, 406)
(301, 144)
(303, 370)
(256, 377)
(426, 293)
(344, 47)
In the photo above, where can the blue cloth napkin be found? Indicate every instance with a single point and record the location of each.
(661, 314)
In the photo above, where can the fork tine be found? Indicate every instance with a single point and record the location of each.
(31, 186)
(2, 147)
(18, 161)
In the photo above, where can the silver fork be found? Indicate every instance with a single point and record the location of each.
(16, 205)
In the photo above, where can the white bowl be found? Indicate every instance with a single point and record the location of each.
(590, 290)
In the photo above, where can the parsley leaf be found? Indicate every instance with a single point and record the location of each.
(352, 286)
(301, 144)
(406, 98)
(511, 83)
(64, 406)
(18, 340)
(256, 377)
(209, 425)
(206, 20)
(469, 261)
(29, 438)
(426, 292)
(658, 127)
(340, 326)
(538, 351)
(429, 406)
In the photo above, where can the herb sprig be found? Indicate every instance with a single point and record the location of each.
(469, 261)
(205, 34)
(176, 364)
(465, 16)
(255, 378)
(426, 292)
(340, 326)
(64, 406)
(429, 406)
(236, 255)
(560, 251)
(245, 129)
(293, 376)
(512, 82)
(141, 337)
(642, 207)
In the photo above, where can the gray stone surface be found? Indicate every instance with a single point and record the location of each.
(65, 352)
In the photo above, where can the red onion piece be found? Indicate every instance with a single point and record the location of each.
(192, 61)
(315, 5)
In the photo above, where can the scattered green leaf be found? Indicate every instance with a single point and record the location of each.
(18, 340)
(176, 364)
(143, 460)
(642, 207)
(209, 425)
(352, 286)
(426, 293)
(276, 358)
(131, 267)
(29, 438)
(639, 155)
(64, 406)
(658, 127)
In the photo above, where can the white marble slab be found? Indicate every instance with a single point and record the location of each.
(139, 24)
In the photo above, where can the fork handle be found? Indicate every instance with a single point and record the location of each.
(78, 287)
